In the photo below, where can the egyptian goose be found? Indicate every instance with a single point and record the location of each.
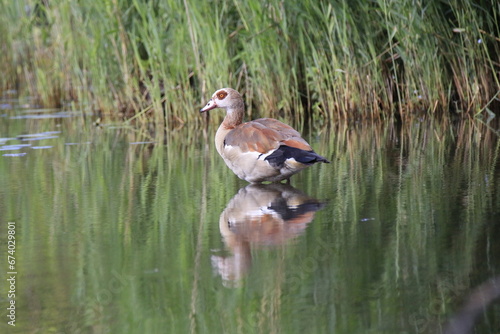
(261, 150)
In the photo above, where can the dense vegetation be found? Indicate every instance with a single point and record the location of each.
(158, 61)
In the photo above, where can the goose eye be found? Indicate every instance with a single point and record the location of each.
(221, 95)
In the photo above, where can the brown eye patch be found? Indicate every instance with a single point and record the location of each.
(221, 94)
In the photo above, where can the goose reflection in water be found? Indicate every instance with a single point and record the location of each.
(260, 215)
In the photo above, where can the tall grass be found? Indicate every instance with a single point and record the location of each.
(157, 61)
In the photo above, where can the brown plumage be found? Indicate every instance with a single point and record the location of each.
(261, 150)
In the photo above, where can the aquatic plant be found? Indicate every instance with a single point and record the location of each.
(158, 61)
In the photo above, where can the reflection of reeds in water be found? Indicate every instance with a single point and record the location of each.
(430, 189)
(159, 60)
(409, 227)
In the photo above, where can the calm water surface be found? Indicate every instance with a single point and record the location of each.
(114, 234)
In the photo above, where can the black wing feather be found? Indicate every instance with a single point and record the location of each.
(284, 152)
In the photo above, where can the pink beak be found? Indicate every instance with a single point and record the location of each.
(210, 105)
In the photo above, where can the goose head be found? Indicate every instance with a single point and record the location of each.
(225, 98)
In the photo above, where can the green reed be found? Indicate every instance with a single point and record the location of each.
(158, 61)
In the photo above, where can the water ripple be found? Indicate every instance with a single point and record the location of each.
(13, 147)
(14, 154)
